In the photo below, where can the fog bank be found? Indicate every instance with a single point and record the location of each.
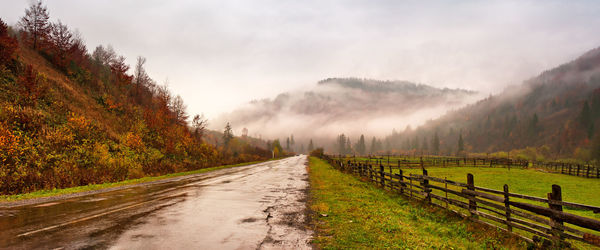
(350, 106)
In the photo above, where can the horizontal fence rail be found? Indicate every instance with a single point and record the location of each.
(582, 170)
(532, 218)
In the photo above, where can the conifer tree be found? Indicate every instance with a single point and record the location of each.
(435, 144)
(585, 118)
(35, 23)
(373, 145)
(461, 144)
(361, 148)
(227, 135)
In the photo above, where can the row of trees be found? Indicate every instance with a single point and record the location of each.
(344, 146)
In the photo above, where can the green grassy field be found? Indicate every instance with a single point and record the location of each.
(360, 215)
(533, 182)
(55, 192)
(525, 181)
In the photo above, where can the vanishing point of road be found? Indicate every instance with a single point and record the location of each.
(260, 206)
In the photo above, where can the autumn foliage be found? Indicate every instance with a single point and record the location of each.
(69, 117)
(8, 45)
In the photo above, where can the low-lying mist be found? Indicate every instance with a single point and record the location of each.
(349, 106)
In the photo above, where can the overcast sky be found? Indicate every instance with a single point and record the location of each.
(220, 54)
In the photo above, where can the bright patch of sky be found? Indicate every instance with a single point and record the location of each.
(221, 54)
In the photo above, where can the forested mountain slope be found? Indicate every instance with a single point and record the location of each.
(556, 114)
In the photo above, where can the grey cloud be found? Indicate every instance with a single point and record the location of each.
(221, 54)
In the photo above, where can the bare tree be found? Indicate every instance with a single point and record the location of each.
(62, 39)
(61, 36)
(140, 77)
(103, 55)
(163, 95)
(178, 108)
(35, 23)
(199, 123)
(78, 51)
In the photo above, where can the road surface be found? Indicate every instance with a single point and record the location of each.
(259, 206)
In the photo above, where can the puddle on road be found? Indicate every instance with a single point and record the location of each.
(48, 204)
(94, 199)
(249, 220)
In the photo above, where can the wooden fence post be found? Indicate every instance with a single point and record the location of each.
(446, 191)
(382, 176)
(401, 179)
(578, 169)
(472, 204)
(555, 221)
(425, 185)
(570, 166)
(361, 169)
(507, 207)
(587, 173)
(410, 190)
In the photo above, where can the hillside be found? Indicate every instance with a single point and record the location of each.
(69, 117)
(555, 114)
(345, 105)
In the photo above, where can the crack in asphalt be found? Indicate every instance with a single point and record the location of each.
(278, 204)
(268, 236)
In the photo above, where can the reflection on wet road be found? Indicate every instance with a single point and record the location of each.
(256, 206)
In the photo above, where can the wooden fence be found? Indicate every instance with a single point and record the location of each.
(588, 171)
(534, 219)
(582, 170)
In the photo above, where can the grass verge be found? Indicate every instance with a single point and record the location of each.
(349, 213)
(56, 192)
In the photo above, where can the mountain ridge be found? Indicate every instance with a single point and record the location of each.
(342, 102)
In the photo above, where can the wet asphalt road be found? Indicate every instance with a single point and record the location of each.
(259, 206)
